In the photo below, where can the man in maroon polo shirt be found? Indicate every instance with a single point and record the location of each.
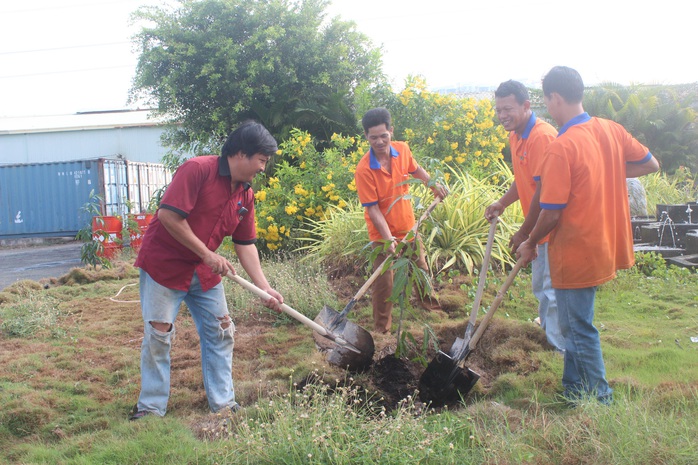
(209, 198)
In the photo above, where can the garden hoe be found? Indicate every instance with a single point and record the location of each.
(341, 342)
(338, 323)
(444, 380)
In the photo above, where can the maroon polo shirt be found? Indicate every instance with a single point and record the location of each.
(201, 192)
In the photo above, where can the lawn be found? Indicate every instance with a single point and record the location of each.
(70, 374)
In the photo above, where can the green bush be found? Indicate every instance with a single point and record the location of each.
(306, 183)
(458, 232)
(445, 129)
(663, 189)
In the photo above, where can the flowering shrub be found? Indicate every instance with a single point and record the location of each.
(445, 132)
(306, 182)
(445, 129)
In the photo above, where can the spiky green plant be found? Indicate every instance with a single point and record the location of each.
(458, 234)
(338, 241)
(663, 189)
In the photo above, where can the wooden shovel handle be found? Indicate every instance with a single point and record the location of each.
(495, 304)
(377, 273)
(286, 309)
(483, 271)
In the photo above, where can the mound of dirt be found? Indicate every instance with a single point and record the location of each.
(505, 347)
(78, 276)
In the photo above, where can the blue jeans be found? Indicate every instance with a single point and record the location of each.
(547, 304)
(584, 373)
(209, 311)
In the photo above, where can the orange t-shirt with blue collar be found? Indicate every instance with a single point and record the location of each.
(583, 174)
(376, 186)
(527, 151)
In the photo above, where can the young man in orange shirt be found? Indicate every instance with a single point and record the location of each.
(529, 136)
(380, 177)
(584, 208)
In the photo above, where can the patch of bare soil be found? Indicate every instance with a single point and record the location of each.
(506, 346)
(100, 352)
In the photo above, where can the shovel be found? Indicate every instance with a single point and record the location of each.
(338, 322)
(341, 342)
(444, 380)
(460, 346)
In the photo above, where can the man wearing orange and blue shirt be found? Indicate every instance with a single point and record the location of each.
(584, 208)
(380, 177)
(529, 136)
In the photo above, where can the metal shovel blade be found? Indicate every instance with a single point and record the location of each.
(350, 332)
(444, 381)
(337, 323)
(460, 347)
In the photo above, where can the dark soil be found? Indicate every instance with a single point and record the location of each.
(394, 378)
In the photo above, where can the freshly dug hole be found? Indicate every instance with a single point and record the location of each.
(505, 347)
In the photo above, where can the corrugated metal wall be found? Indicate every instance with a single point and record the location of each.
(46, 199)
(139, 144)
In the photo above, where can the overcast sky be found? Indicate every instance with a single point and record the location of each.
(64, 56)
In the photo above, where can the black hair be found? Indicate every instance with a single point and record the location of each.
(566, 82)
(250, 138)
(515, 88)
(376, 117)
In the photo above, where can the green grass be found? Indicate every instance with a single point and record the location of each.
(65, 395)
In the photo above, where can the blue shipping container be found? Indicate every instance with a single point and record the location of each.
(47, 199)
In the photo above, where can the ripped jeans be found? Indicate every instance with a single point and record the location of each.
(209, 311)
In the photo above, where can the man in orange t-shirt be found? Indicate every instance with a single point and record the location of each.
(529, 136)
(380, 177)
(584, 208)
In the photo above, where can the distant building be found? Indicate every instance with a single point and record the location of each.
(49, 165)
(128, 135)
(469, 91)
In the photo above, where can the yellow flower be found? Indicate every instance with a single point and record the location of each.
(342, 203)
(291, 209)
(302, 165)
(300, 190)
(272, 246)
(430, 140)
(448, 159)
(454, 145)
(260, 196)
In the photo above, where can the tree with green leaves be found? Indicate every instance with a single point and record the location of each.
(210, 64)
(661, 117)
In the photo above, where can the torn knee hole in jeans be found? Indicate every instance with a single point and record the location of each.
(226, 327)
(161, 326)
(225, 321)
